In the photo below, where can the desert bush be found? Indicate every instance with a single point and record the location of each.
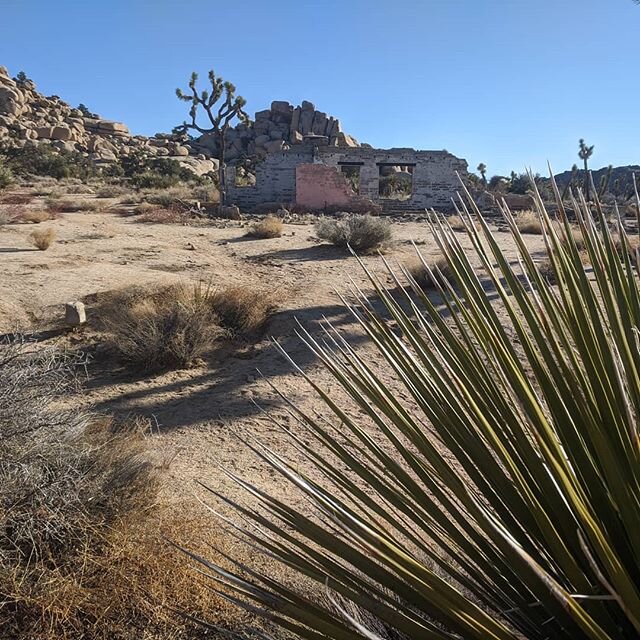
(456, 223)
(479, 478)
(42, 239)
(528, 222)
(45, 161)
(6, 176)
(111, 191)
(81, 552)
(33, 216)
(71, 206)
(363, 233)
(430, 275)
(243, 311)
(153, 214)
(16, 198)
(167, 197)
(270, 227)
(162, 327)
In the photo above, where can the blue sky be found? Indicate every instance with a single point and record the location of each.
(512, 83)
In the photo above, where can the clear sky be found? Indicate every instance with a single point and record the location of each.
(512, 83)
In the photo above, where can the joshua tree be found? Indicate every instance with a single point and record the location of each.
(220, 115)
(482, 169)
(584, 153)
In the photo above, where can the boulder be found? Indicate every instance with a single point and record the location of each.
(306, 121)
(61, 133)
(307, 106)
(44, 132)
(75, 314)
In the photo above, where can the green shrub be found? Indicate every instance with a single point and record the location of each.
(363, 233)
(43, 160)
(6, 177)
(476, 473)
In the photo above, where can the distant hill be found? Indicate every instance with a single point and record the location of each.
(620, 182)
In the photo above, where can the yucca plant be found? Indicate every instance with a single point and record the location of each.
(491, 491)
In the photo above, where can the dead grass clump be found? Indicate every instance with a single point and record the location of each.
(242, 311)
(528, 222)
(363, 233)
(42, 239)
(153, 214)
(60, 205)
(163, 327)
(633, 241)
(168, 197)
(111, 191)
(270, 227)
(36, 216)
(80, 524)
(16, 198)
(456, 223)
(440, 271)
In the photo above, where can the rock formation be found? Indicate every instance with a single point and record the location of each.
(29, 118)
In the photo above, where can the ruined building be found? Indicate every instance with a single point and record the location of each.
(318, 176)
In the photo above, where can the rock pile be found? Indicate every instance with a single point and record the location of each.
(277, 129)
(27, 118)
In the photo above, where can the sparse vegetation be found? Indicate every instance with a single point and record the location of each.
(242, 311)
(16, 198)
(363, 233)
(153, 214)
(64, 205)
(472, 477)
(80, 523)
(44, 161)
(161, 327)
(428, 278)
(456, 223)
(33, 216)
(528, 222)
(173, 326)
(270, 227)
(42, 239)
(6, 176)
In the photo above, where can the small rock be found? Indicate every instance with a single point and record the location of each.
(191, 246)
(75, 314)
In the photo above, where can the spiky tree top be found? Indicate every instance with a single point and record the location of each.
(220, 116)
(585, 151)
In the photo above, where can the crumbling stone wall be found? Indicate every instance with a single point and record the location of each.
(318, 186)
(434, 177)
(434, 173)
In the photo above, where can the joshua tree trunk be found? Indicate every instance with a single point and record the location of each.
(222, 169)
(586, 179)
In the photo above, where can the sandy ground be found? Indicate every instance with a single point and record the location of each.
(201, 414)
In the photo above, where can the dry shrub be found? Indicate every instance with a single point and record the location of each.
(548, 272)
(440, 269)
(111, 191)
(80, 549)
(153, 214)
(528, 222)
(167, 197)
(42, 239)
(242, 311)
(634, 245)
(363, 233)
(270, 227)
(161, 327)
(16, 198)
(36, 216)
(456, 223)
(72, 206)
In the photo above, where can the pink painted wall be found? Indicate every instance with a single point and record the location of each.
(319, 186)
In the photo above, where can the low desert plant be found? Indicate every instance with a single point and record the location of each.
(16, 198)
(63, 205)
(6, 177)
(430, 275)
(243, 311)
(270, 227)
(162, 327)
(528, 222)
(155, 214)
(81, 526)
(479, 480)
(363, 233)
(42, 239)
(168, 197)
(456, 223)
(34, 216)
(111, 191)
